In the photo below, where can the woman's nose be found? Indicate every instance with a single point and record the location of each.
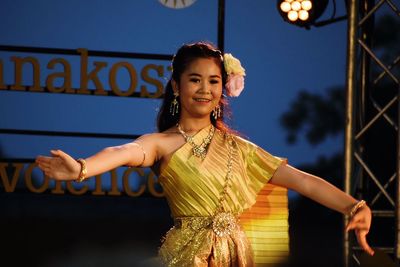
(205, 88)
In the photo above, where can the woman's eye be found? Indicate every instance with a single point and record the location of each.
(195, 80)
(214, 81)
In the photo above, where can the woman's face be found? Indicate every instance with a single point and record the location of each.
(200, 87)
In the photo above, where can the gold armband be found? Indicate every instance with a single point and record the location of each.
(83, 173)
(356, 207)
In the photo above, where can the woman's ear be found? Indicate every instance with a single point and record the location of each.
(174, 86)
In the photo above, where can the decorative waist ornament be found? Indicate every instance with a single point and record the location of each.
(222, 224)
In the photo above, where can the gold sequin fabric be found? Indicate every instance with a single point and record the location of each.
(196, 241)
(192, 187)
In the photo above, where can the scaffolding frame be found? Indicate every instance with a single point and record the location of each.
(363, 112)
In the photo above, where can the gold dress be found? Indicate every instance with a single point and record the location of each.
(253, 228)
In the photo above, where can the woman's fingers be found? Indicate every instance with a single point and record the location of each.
(59, 165)
(62, 158)
(40, 159)
(59, 153)
(354, 225)
(55, 153)
(47, 172)
(44, 159)
(44, 167)
(45, 162)
(361, 220)
(42, 163)
(361, 223)
(48, 164)
(362, 240)
(349, 226)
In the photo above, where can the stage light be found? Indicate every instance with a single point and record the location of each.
(285, 6)
(306, 5)
(303, 13)
(293, 15)
(296, 6)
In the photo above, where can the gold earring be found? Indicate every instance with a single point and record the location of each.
(216, 112)
(174, 108)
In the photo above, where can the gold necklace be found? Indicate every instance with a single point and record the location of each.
(198, 150)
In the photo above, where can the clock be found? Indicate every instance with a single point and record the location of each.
(177, 4)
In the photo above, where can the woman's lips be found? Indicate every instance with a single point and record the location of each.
(202, 100)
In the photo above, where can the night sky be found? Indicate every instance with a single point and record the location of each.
(280, 59)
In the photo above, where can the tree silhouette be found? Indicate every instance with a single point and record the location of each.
(318, 115)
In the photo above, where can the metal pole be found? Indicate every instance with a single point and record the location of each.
(221, 24)
(349, 127)
(397, 206)
(366, 35)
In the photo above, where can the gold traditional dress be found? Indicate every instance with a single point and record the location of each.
(253, 227)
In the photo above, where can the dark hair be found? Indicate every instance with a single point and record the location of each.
(182, 59)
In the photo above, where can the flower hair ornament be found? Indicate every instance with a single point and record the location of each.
(235, 81)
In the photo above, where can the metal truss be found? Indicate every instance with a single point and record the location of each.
(372, 138)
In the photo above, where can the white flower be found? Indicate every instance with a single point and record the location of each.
(232, 65)
(235, 81)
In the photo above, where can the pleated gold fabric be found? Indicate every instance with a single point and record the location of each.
(193, 187)
(266, 226)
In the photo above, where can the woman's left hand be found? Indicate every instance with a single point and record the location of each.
(360, 223)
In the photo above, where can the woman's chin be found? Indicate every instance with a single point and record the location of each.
(199, 115)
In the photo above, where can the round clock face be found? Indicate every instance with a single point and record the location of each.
(177, 3)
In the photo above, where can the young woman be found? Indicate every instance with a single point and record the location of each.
(209, 174)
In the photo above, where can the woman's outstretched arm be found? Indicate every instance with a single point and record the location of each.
(328, 195)
(62, 166)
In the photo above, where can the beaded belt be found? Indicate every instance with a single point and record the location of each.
(222, 224)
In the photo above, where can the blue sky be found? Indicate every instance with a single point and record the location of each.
(280, 59)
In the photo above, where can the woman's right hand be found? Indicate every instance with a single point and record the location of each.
(59, 166)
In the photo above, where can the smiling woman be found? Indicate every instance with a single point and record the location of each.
(215, 182)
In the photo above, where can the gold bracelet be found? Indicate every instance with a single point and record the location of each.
(83, 173)
(356, 207)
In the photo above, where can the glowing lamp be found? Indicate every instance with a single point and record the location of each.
(293, 15)
(303, 13)
(296, 6)
(285, 7)
(306, 5)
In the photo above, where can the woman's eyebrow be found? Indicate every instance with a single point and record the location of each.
(198, 75)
